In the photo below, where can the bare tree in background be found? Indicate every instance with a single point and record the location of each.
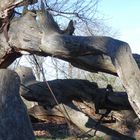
(36, 63)
(83, 12)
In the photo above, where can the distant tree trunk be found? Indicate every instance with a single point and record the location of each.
(14, 120)
(26, 76)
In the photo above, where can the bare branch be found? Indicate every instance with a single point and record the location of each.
(70, 29)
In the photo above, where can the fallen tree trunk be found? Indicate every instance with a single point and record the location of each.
(69, 89)
(74, 116)
(14, 120)
(29, 38)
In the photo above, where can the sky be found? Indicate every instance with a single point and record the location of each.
(124, 17)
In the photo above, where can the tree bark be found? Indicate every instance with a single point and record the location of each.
(14, 120)
(26, 76)
(79, 89)
(84, 120)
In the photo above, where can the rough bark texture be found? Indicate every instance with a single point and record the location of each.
(26, 77)
(129, 73)
(14, 120)
(69, 89)
(79, 117)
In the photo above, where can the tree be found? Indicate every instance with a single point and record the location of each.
(42, 36)
(14, 119)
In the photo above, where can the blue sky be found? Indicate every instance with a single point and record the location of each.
(124, 17)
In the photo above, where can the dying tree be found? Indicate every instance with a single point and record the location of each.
(36, 32)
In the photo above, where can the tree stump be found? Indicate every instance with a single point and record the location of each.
(14, 120)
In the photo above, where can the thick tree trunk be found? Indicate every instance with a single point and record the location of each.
(14, 120)
(69, 89)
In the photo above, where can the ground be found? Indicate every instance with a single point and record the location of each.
(48, 131)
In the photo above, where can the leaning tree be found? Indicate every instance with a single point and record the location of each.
(36, 32)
